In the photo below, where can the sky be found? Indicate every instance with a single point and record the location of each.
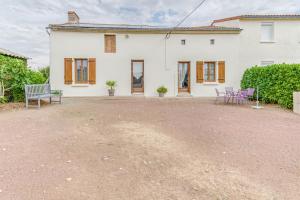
(23, 22)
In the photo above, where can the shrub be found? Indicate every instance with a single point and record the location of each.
(276, 82)
(45, 72)
(111, 84)
(162, 90)
(15, 74)
(3, 99)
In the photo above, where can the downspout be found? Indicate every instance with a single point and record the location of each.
(47, 31)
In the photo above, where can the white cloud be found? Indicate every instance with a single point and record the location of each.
(23, 22)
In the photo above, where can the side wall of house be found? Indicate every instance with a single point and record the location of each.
(160, 64)
(284, 49)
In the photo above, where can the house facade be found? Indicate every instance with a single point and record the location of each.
(187, 60)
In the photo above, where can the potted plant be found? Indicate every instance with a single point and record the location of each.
(111, 87)
(162, 90)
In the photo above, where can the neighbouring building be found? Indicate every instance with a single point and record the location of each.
(190, 60)
(11, 54)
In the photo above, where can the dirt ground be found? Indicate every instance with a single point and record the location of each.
(140, 149)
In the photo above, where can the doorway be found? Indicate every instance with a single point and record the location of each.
(183, 77)
(137, 76)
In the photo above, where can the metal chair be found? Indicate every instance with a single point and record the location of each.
(241, 96)
(220, 95)
(250, 93)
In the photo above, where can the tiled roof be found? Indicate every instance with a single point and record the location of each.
(12, 54)
(279, 17)
(142, 28)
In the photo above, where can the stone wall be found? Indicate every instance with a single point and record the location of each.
(296, 100)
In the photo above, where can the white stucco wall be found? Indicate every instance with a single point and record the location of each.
(284, 49)
(239, 51)
(147, 47)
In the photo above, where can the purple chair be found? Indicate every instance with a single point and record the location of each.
(241, 97)
(250, 93)
(229, 92)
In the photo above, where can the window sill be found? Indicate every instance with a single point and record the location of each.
(267, 42)
(80, 85)
(210, 83)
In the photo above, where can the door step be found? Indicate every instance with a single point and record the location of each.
(138, 94)
(184, 94)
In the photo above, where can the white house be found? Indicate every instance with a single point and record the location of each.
(190, 60)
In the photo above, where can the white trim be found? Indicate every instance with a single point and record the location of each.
(80, 85)
(211, 83)
(266, 42)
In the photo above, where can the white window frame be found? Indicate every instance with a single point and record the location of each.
(264, 63)
(262, 36)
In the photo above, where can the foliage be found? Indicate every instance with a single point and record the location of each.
(276, 82)
(45, 72)
(15, 74)
(56, 92)
(162, 90)
(3, 99)
(111, 84)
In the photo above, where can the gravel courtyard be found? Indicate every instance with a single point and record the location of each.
(140, 149)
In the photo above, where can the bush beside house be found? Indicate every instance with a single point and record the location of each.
(15, 74)
(46, 72)
(276, 82)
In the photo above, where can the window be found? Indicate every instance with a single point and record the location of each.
(81, 70)
(267, 32)
(183, 42)
(212, 41)
(266, 63)
(110, 43)
(210, 71)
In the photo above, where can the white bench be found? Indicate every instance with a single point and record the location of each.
(41, 91)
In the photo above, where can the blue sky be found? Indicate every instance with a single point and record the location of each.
(23, 22)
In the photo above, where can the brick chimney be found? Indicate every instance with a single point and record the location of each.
(73, 17)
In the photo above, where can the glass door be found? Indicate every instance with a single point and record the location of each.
(137, 76)
(184, 77)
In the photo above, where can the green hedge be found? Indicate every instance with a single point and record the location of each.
(276, 82)
(15, 74)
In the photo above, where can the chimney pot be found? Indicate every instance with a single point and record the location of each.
(73, 17)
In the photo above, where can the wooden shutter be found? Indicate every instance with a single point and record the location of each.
(221, 69)
(199, 71)
(92, 70)
(68, 71)
(110, 43)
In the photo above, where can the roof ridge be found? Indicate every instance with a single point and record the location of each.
(11, 53)
(116, 24)
(255, 16)
(106, 27)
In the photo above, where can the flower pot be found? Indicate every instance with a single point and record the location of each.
(161, 94)
(111, 92)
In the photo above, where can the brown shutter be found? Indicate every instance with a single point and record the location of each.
(107, 43)
(68, 71)
(199, 71)
(221, 69)
(110, 43)
(113, 44)
(92, 70)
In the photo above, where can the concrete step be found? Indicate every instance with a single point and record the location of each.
(184, 94)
